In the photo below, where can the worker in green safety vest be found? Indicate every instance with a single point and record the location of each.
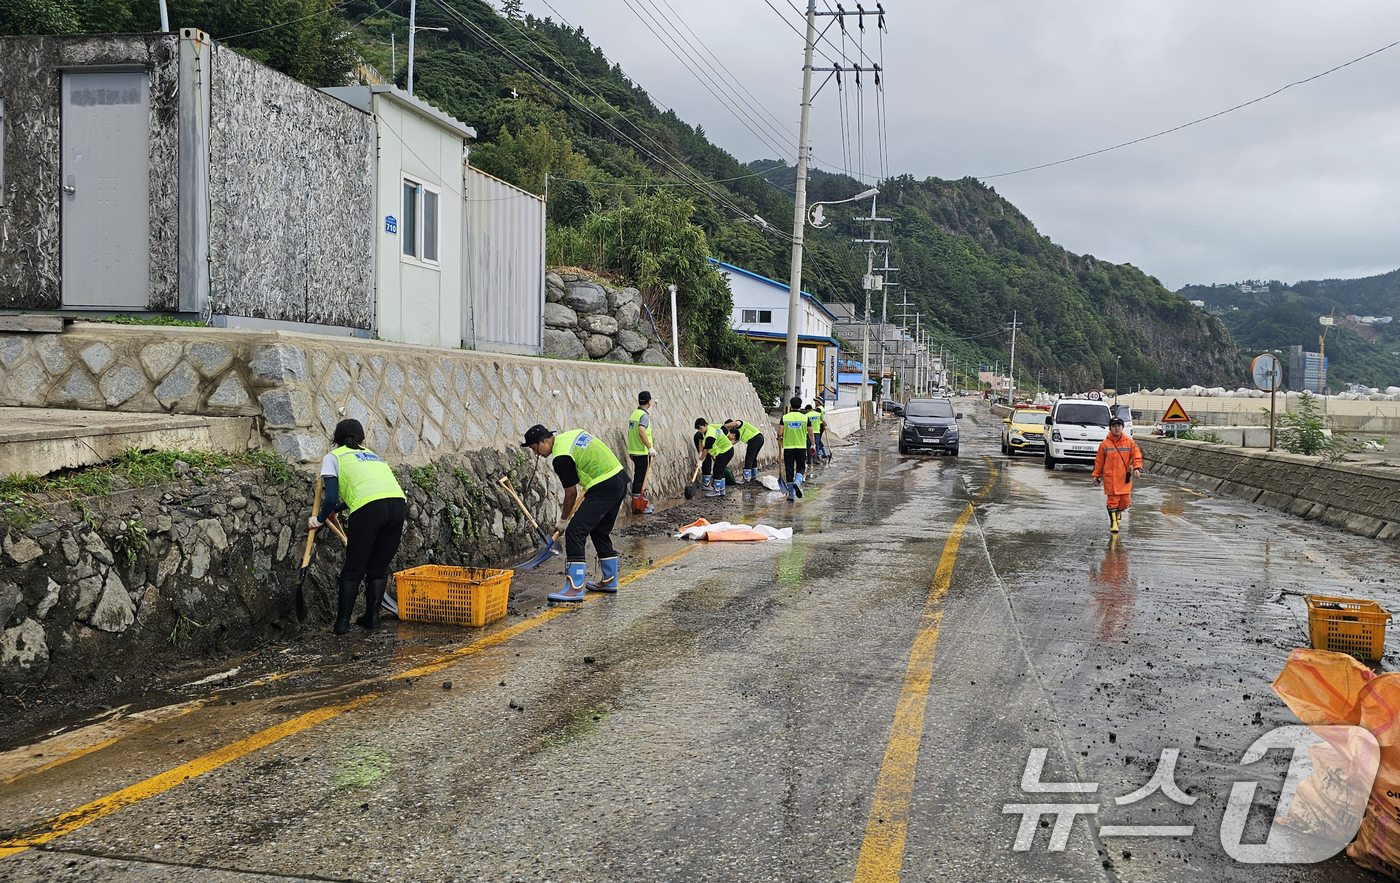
(715, 450)
(582, 461)
(797, 437)
(354, 478)
(817, 418)
(743, 431)
(641, 448)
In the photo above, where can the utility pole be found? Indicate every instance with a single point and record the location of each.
(799, 216)
(1011, 394)
(870, 286)
(799, 208)
(918, 342)
(884, 313)
(904, 351)
(412, 29)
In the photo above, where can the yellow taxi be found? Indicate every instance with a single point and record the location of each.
(1024, 431)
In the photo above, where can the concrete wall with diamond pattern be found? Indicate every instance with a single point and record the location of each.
(417, 402)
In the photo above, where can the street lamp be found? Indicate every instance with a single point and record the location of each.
(817, 215)
(412, 30)
(1117, 362)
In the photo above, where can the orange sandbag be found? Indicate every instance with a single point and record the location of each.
(1321, 687)
(735, 536)
(1332, 688)
(699, 522)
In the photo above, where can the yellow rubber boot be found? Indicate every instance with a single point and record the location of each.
(1113, 515)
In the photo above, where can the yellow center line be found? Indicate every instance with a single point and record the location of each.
(882, 850)
(105, 806)
(887, 825)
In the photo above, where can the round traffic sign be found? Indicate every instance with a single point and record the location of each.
(1268, 373)
(1095, 396)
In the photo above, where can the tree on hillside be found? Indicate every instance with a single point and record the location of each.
(302, 38)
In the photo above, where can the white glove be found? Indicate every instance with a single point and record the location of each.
(313, 522)
(651, 452)
(562, 526)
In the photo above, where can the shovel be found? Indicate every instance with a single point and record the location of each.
(552, 544)
(506, 483)
(690, 488)
(306, 558)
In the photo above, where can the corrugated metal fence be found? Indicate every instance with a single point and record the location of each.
(503, 300)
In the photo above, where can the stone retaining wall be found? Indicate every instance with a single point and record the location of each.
(419, 404)
(1360, 499)
(99, 587)
(588, 320)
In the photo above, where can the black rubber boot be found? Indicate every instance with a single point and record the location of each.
(345, 605)
(374, 599)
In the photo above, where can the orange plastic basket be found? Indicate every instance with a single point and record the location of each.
(1347, 625)
(471, 596)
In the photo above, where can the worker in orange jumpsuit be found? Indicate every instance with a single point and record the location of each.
(1117, 463)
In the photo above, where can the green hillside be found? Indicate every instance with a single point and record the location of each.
(640, 195)
(970, 258)
(1287, 315)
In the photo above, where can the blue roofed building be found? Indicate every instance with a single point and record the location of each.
(761, 314)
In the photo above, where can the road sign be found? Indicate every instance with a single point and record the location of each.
(1266, 372)
(1095, 396)
(1175, 413)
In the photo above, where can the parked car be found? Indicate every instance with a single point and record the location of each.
(1024, 431)
(1075, 428)
(894, 408)
(929, 424)
(1124, 413)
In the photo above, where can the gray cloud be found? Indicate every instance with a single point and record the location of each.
(1304, 185)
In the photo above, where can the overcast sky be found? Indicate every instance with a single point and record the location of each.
(1305, 185)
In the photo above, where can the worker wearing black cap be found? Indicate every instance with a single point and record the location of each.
(641, 449)
(581, 460)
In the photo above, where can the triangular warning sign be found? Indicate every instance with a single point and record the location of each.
(1175, 413)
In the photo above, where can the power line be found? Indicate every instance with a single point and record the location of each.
(780, 125)
(292, 21)
(670, 183)
(695, 182)
(1203, 119)
(666, 39)
(659, 104)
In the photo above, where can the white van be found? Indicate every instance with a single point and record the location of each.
(1074, 430)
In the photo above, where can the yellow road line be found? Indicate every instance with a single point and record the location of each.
(882, 850)
(538, 619)
(84, 815)
(105, 806)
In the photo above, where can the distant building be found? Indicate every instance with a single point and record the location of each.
(1199, 304)
(1306, 371)
(761, 314)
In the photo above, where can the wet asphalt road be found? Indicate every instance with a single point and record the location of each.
(735, 712)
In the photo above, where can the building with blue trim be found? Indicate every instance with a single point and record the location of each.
(761, 314)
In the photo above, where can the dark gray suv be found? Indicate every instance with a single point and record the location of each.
(929, 425)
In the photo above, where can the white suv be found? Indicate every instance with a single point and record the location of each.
(1074, 430)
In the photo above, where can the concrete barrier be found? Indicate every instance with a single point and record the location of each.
(1361, 499)
(38, 441)
(418, 404)
(845, 422)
